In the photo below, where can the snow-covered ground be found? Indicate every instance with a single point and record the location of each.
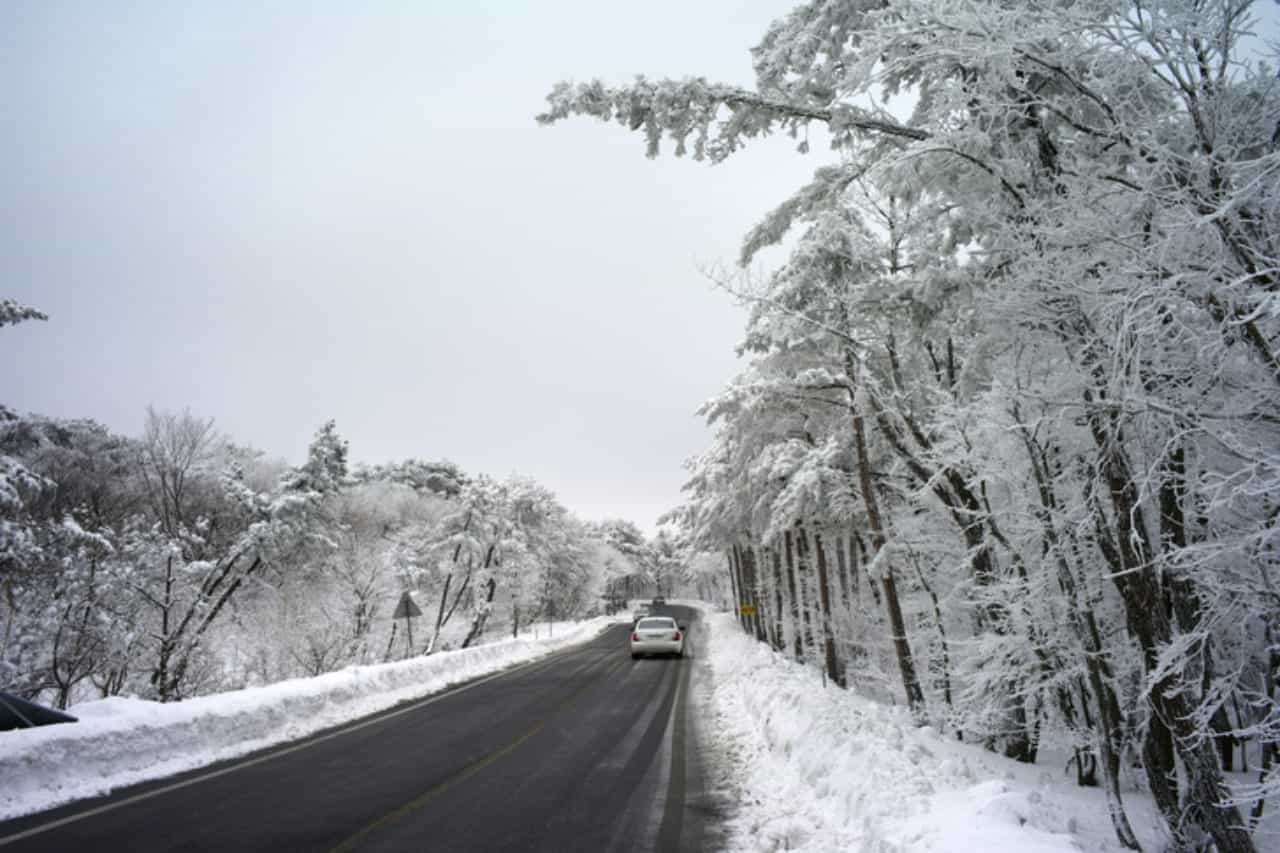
(121, 741)
(816, 769)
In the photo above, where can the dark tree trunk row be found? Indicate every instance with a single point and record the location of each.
(1171, 729)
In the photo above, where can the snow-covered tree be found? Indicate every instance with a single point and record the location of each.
(1039, 281)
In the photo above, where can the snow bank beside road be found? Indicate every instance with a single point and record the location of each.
(825, 770)
(122, 741)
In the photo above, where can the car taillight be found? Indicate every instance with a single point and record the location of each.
(677, 636)
(635, 636)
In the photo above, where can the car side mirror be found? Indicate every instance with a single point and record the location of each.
(684, 626)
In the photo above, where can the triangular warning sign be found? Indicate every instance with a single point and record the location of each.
(406, 608)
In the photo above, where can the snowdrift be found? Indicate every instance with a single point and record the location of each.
(123, 741)
(825, 769)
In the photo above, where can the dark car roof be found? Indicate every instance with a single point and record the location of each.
(18, 713)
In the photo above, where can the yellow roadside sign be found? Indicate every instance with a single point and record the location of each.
(747, 609)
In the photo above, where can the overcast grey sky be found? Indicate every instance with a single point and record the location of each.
(280, 213)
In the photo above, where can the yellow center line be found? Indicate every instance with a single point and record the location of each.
(470, 770)
(544, 662)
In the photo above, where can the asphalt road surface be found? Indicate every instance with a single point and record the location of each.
(584, 750)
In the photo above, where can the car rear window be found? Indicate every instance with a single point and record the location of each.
(657, 624)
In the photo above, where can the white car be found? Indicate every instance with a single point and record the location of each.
(657, 635)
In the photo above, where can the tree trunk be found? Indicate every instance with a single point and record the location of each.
(778, 642)
(160, 677)
(732, 583)
(804, 580)
(942, 633)
(1080, 617)
(897, 625)
(842, 575)
(477, 626)
(757, 618)
(391, 640)
(834, 671)
(1171, 724)
(444, 597)
(794, 604)
(748, 587)
(741, 586)
(1270, 748)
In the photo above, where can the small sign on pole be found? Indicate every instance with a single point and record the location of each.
(406, 610)
(747, 609)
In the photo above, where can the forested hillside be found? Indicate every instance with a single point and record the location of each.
(1006, 443)
(179, 562)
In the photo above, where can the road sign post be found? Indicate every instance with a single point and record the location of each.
(406, 610)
